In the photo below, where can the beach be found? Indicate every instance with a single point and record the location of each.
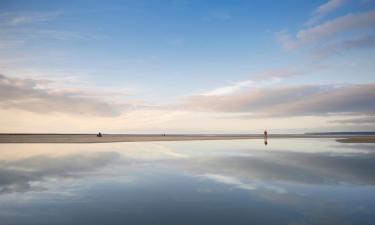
(107, 138)
(360, 139)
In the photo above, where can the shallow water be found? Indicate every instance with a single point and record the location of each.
(289, 181)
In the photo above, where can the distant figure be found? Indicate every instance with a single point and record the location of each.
(265, 137)
(99, 134)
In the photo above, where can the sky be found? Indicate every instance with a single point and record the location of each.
(187, 66)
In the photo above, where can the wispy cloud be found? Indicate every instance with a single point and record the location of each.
(356, 120)
(298, 100)
(25, 35)
(20, 29)
(361, 42)
(324, 9)
(21, 18)
(349, 23)
(263, 79)
(29, 95)
(224, 90)
(329, 6)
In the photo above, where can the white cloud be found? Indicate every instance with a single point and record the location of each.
(228, 89)
(324, 9)
(266, 78)
(349, 23)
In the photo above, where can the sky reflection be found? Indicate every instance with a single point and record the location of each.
(290, 181)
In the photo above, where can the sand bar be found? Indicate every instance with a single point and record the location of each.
(106, 138)
(361, 139)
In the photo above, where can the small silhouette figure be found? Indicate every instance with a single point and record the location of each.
(265, 137)
(99, 134)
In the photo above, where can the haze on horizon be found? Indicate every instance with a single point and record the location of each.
(187, 66)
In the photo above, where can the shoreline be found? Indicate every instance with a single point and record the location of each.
(109, 138)
(359, 139)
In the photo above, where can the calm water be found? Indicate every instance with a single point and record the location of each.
(290, 181)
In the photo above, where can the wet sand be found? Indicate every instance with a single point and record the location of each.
(361, 139)
(106, 138)
(92, 138)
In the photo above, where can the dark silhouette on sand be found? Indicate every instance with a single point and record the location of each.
(265, 137)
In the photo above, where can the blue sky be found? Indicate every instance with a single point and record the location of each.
(219, 66)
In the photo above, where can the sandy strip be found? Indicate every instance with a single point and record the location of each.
(361, 139)
(92, 138)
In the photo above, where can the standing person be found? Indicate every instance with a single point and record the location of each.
(265, 137)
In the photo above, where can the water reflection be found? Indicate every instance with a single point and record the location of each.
(306, 168)
(221, 182)
(20, 175)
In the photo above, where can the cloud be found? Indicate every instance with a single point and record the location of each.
(362, 42)
(265, 78)
(21, 18)
(280, 73)
(19, 29)
(324, 9)
(27, 94)
(298, 100)
(357, 120)
(349, 23)
(224, 90)
(27, 34)
(329, 6)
